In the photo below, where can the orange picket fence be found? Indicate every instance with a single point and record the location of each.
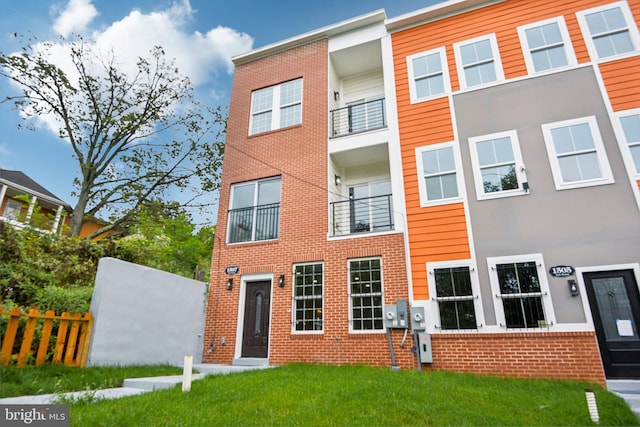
(72, 336)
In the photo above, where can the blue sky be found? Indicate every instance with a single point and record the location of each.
(202, 35)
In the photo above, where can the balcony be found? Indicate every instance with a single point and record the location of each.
(254, 223)
(362, 215)
(358, 117)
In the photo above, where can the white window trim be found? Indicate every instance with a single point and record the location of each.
(276, 108)
(256, 195)
(293, 299)
(422, 186)
(631, 25)
(475, 289)
(445, 75)
(626, 150)
(497, 63)
(603, 161)
(350, 317)
(547, 302)
(519, 165)
(11, 207)
(566, 41)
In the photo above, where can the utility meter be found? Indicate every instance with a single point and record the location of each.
(418, 321)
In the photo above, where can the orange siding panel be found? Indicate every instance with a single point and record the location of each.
(622, 83)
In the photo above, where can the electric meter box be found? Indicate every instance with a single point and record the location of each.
(424, 347)
(396, 316)
(418, 321)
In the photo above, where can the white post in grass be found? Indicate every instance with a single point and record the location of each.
(592, 405)
(186, 373)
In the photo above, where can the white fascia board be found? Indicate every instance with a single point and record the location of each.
(376, 17)
(436, 12)
(33, 193)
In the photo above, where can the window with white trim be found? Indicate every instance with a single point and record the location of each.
(365, 294)
(630, 123)
(478, 61)
(455, 286)
(276, 107)
(254, 211)
(546, 45)
(12, 209)
(428, 75)
(439, 180)
(576, 153)
(609, 31)
(498, 169)
(520, 286)
(307, 297)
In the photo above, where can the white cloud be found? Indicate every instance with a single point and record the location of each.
(199, 56)
(75, 17)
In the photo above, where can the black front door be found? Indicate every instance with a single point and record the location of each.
(615, 306)
(255, 337)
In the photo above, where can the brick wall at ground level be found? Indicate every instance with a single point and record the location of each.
(558, 355)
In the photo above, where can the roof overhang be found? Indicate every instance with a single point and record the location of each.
(363, 21)
(436, 12)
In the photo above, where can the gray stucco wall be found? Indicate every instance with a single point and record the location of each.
(581, 227)
(145, 316)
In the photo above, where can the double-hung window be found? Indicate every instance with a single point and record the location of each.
(276, 107)
(478, 61)
(576, 153)
(609, 30)
(546, 45)
(365, 294)
(254, 211)
(456, 294)
(12, 209)
(497, 165)
(630, 123)
(428, 75)
(439, 180)
(520, 285)
(307, 297)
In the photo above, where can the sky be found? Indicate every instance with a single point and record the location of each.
(202, 36)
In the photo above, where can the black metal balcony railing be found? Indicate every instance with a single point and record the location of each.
(364, 215)
(356, 118)
(254, 223)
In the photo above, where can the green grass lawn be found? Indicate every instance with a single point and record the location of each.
(32, 380)
(319, 395)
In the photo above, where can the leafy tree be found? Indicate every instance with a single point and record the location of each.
(162, 235)
(135, 136)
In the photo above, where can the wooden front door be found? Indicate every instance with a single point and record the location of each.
(255, 337)
(615, 306)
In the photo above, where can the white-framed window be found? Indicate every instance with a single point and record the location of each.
(308, 285)
(546, 45)
(498, 169)
(630, 124)
(478, 61)
(428, 75)
(576, 153)
(521, 289)
(439, 180)
(456, 292)
(254, 211)
(12, 209)
(609, 31)
(276, 107)
(365, 295)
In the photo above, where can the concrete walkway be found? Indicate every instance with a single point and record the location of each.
(133, 386)
(629, 390)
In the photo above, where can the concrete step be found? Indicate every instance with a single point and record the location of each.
(250, 361)
(624, 386)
